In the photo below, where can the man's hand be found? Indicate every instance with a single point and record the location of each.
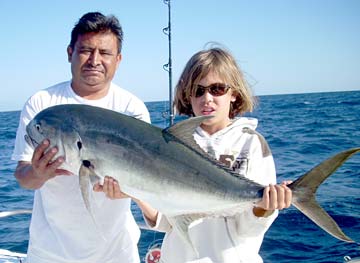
(33, 175)
(42, 165)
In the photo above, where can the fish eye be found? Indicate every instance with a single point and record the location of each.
(38, 127)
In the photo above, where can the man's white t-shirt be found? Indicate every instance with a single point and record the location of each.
(61, 228)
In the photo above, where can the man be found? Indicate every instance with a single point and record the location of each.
(61, 228)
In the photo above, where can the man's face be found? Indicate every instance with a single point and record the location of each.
(94, 61)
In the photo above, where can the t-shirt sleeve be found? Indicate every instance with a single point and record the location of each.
(22, 150)
(138, 109)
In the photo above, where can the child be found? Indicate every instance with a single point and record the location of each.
(212, 84)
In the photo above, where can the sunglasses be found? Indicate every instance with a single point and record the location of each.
(216, 89)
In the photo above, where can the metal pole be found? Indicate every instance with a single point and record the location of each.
(168, 66)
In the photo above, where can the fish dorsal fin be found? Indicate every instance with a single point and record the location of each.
(184, 132)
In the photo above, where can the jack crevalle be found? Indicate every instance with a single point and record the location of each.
(165, 168)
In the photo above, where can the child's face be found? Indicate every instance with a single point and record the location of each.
(208, 104)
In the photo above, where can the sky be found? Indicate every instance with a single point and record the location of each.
(283, 46)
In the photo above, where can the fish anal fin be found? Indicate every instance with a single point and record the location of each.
(181, 224)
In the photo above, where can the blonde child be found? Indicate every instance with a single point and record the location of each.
(212, 84)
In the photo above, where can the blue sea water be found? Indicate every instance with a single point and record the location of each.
(302, 130)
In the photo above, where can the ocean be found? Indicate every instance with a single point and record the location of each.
(302, 131)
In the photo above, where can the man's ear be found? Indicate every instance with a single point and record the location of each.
(118, 59)
(69, 52)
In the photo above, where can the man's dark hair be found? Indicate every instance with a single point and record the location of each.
(97, 22)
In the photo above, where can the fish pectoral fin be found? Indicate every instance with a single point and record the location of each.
(181, 224)
(87, 178)
(84, 182)
(85, 174)
(94, 177)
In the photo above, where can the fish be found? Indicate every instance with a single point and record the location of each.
(165, 167)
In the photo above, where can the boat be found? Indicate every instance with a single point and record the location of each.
(7, 256)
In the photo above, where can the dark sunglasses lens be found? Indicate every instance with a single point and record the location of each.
(199, 91)
(218, 90)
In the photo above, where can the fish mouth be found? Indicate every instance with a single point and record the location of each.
(31, 141)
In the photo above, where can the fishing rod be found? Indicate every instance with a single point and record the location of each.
(168, 66)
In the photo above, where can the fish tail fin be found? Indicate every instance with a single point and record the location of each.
(304, 190)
